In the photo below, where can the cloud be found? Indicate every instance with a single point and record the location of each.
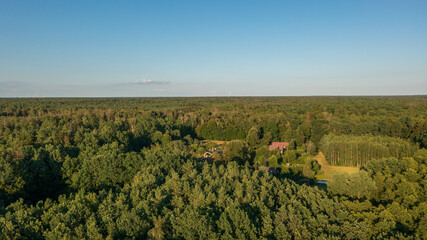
(149, 82)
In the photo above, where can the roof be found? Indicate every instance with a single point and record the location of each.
(209, 153)
(278, 146)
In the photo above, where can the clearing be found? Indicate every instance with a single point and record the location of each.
(214, 141)
(329, 170)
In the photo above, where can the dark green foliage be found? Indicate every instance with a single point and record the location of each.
(253, 137)
(311, 148)
(355, 185)
(273, 161)
(102, 167)
(129, 168)
(261, 155)
(290, 156)
(318, 129)
(300, 137)
(192, 204)
(236, 150)
(311, 168)
(272, 129)
(398, 180)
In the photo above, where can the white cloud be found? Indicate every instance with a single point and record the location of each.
(149, 82)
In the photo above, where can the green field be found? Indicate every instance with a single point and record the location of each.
(329, 170)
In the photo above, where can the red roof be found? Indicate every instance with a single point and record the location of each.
(278, 146)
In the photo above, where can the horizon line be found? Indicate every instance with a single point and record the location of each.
(220, 96)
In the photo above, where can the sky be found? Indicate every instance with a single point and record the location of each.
(212, 48)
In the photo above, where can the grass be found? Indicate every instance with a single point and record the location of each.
(330, 170)
(321, 176)
(214, 141)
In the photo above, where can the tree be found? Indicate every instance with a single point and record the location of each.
(236, 150)
(311, 148)
(272, 161)
(290, 156)
(300, 137)
(261, 155)
(355, 185)
(253, 136)
(157, 232)
(319, 128)
(272, 129)
(267, 139)
(311, 168)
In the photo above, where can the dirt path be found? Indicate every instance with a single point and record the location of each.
(329, 170)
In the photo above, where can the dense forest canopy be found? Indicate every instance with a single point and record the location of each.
(126, 168)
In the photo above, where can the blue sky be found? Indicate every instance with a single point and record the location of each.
(212, 48)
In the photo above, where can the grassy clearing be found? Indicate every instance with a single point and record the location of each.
(321, 176)
(329, 170)
(214, 141)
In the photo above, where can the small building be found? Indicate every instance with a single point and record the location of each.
(278, 146)
(208, 155)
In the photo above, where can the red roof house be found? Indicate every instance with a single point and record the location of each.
(278, 146)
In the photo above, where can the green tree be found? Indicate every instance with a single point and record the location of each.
(273, 161)
(300, 137)
(355, 185)
(236, 150)
(253, 136)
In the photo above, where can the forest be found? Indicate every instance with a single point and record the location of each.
(203, 168)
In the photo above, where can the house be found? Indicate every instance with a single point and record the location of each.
(208, 155)
(278, 146)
